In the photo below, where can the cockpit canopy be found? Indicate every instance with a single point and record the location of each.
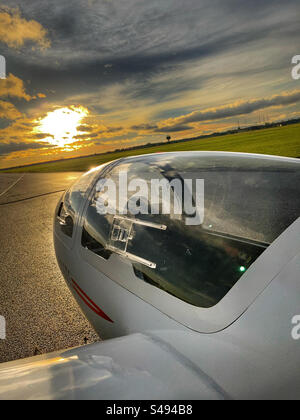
(244, 204)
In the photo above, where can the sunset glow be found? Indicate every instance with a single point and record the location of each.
(62, 125)
(93, 77)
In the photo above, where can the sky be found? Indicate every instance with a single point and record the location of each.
(88, 76)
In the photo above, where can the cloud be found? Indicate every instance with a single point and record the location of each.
(15, 30)
(85, 136)
(14, 87)
(157, 129)
(7, 148)
(153, 67)
(163, 28)
(87, 132)
(160, 54)
(144, 127)
(41, 136)
(237, 108)
(22, 130)
(84, 128)
(153, 37)
(172, 129)
(8, 111)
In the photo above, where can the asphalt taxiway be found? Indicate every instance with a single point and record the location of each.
(40, 312)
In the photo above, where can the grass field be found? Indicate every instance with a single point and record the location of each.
(281, 141)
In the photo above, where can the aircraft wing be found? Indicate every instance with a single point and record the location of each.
(136, 367)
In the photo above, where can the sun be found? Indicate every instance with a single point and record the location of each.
(61, 125)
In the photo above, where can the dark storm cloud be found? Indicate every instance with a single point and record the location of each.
(83, 76)
(100, 43)
(113, 29)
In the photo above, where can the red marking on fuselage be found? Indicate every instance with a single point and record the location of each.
(88, 301)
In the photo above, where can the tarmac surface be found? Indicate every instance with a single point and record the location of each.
(40, 312)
